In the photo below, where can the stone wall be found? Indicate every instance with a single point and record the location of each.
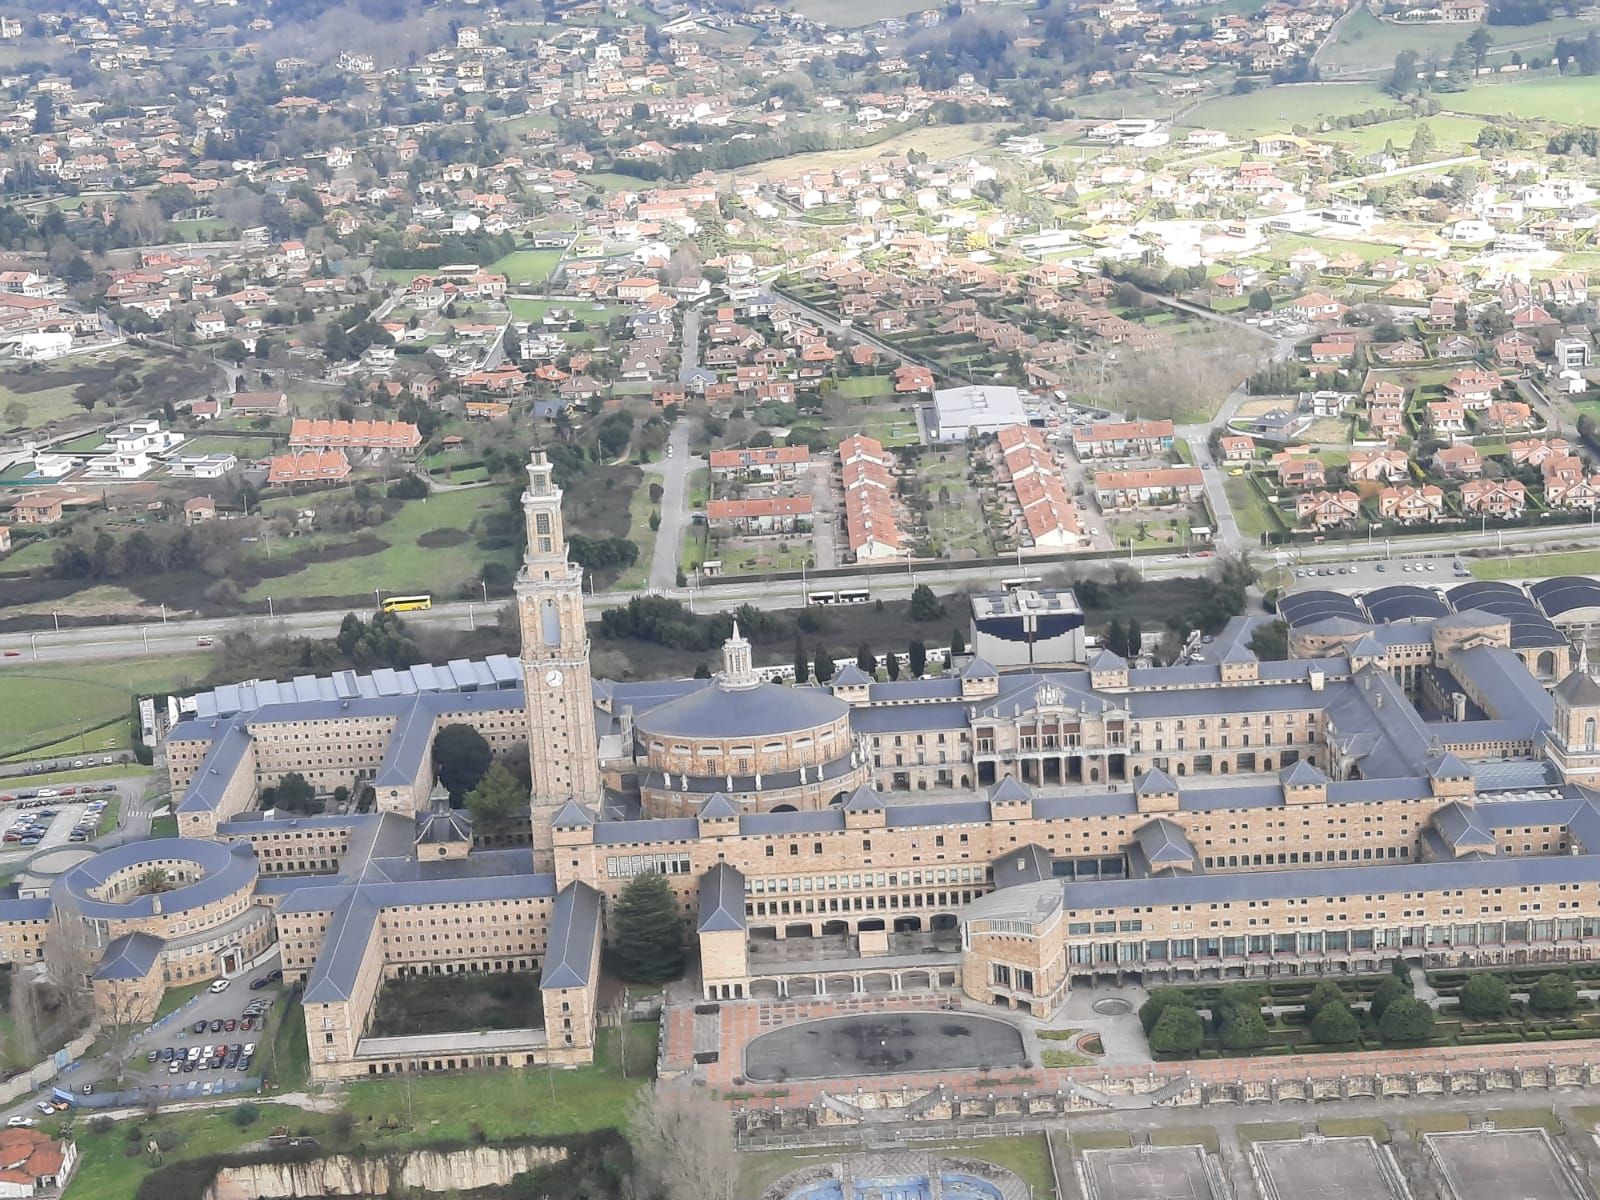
(343, 1175)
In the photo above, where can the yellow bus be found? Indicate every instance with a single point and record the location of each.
(406, 603)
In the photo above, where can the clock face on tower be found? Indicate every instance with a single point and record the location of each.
(553, 677)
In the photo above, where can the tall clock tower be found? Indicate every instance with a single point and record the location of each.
(562, 748)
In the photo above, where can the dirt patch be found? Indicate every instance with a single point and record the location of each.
(437, 538)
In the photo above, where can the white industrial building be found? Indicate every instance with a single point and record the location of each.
(1027, 628)
(959, 412)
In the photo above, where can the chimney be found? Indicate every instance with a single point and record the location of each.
(1315, 678)
(1458, 706)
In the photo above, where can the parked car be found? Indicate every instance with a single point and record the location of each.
(220, 985)
(20, 1122)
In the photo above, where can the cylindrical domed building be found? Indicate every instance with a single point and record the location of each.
(767, 747)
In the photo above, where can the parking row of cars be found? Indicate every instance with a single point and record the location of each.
(220, 1057)
(1407, 565)
(29, 828)
(73, 764)
(38, 797)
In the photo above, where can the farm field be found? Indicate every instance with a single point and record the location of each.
(1559, 99)
(1366, 42)
(449, 559)
(51, 703)
(1277, 109)
(530, 309)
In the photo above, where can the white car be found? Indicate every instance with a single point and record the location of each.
(221, 985)
(21, 1123)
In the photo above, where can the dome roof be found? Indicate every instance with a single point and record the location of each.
(716, 711)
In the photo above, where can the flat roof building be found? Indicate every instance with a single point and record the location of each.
(957, 413)
(1027, 628)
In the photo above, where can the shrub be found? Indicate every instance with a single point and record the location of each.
(101, 1125)
(1243, 1028)
(1326, 992)
(1407, 1019)
(1160, 1000)
(1555, 995)
(1485, 997)
(1177, 1031)
(245, 1115)
(1335, 1024)
(1390, 989)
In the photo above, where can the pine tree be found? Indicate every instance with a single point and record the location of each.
(497, 800)
(891, 664)
(1135, 639)
(647, 931)
(958, 644)
(866, 660)
(822, 664)
(802, 665)
(916, 659)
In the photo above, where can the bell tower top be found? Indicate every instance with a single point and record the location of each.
(541, 510)
(738, 665)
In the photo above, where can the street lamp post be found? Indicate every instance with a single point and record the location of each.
(33, 640)
(144, 630)
(270, 615)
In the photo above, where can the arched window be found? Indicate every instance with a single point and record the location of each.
(1588, 734)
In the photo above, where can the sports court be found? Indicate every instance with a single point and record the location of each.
(1318, 1168)
(1146, 1173)
(882, 1044)
(1503, 1164)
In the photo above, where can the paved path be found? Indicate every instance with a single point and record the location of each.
(674, 507)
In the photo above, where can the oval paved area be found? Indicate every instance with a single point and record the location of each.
(882, 1044)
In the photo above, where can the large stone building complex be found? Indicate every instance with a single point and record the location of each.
(1409, 783)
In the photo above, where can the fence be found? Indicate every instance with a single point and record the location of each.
(35, 1077)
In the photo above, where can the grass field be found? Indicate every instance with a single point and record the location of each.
(1365, 41)
(938, 141)
(1276, 110)
(589, 314)
(1561, 100)
(1452, 136)
(48, 391)
(526, 266)
(47, 703)
(865, 387)
(1249, 510)
(402, 565)
(639, 532)
(1530, 566)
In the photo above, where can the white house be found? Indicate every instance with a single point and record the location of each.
(45, 344)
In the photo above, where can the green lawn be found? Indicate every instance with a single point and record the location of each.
(108, 816)
(164, 827)
(526, 309)
(505, 1104)
(402, 565)
(640, 507)
(1526, 566)
(105, 1173)
(865, 387)
(1278, 109)
(526, 266)
(1560, 99)
(47, 703)
(1452, 136)
(421, 1004)
(1364, 41)
(1250, 511)
(244, 447)
(175, 998)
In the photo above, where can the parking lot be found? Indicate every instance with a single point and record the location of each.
(54, 817)
(190, 1030)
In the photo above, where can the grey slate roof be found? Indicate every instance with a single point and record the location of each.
(1025, 864)
(1164, 843)
(496, 672)
(1107, 661)
(1461, 829)
(131, 956)
(574, 933)
(1302, 773)
(718, 808)
(851, 676)
(1579, 688)
(721, 900)
(1504, 687)
(1009, 791)
(1154, 782)
(572, 815)
(865, 798)
(226, 867)
(443, 826)
(717, 711)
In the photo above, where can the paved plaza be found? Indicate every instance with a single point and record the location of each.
(1146, 1173)
(1506, 1164)
(1317, 1168)
(883, 1044)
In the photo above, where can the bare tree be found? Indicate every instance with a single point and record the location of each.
(120, 1015)
(70, 954)
(26, 1044)
(683, 1145)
